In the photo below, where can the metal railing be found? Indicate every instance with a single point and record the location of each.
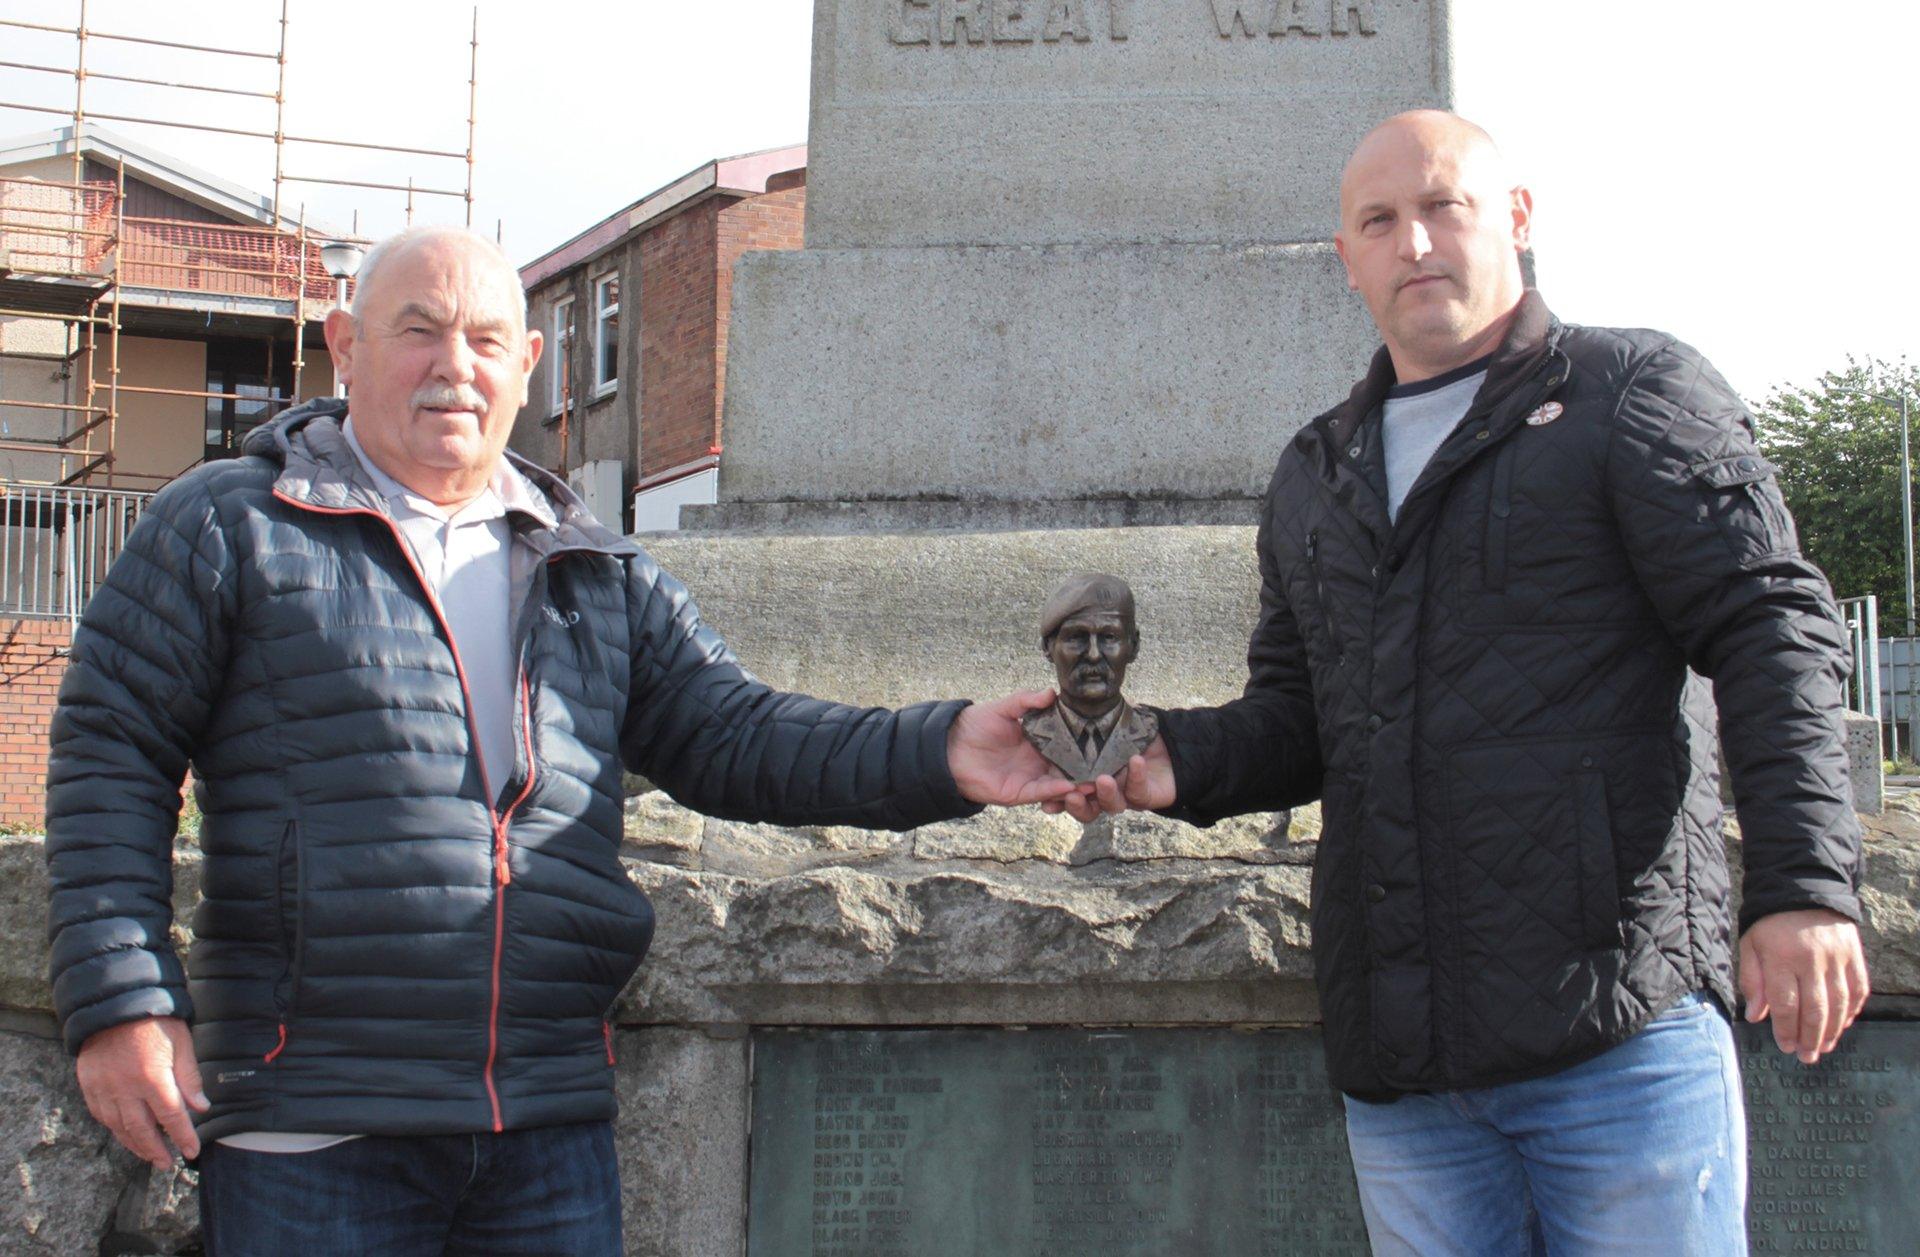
(1863, 633)
(56, 543)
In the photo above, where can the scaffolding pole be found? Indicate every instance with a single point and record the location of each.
(97, 253)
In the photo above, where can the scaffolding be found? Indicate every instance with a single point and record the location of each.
(69, 251)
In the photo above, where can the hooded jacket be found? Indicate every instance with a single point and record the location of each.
(387, 942)
(1522, 861)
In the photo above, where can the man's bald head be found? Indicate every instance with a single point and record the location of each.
(484, 252)
(1432, 225)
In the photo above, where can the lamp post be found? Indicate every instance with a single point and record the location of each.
(342, 259)
(1906, 537)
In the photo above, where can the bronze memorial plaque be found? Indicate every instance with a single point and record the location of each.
(1130, 1143)
(1834, 1149)
(1047, 1143)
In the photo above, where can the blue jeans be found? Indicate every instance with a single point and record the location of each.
(1642, 1149)
(553, 1191)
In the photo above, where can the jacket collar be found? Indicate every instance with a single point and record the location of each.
(1534, 332)
(1345, 448)
(319, 470)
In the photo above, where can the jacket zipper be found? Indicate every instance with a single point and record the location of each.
(1500, 509)
(1320, 594)
(502, 867)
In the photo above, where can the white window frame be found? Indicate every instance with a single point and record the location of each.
(601, 313)
(560, 353)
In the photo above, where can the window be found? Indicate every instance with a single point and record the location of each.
(606, 333)
(255, 382)
(560, 357)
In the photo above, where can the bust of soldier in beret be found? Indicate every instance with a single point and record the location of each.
(1087, 630)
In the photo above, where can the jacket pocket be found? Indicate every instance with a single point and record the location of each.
(1599, 889)
(292, 888)
(1744, 501)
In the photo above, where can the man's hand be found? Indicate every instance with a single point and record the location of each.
(140, 1073)
(1144, 785)
(992, 761)
(1806, 969)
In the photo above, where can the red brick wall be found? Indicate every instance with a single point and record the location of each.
(677, 331)
(30, 672)
(772, 221)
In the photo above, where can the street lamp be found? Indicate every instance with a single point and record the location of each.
(1906, 536)
(342, 259)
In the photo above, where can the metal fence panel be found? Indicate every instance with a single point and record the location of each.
(56, 543)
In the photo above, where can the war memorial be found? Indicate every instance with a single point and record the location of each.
(1068, 288)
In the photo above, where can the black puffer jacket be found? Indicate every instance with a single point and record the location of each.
(380, 947)
(1522, 858)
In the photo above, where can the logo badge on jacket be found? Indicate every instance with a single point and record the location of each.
(1546, 414)
(565, 619)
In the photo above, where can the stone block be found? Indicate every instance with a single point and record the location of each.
(1148, 372)
(72, 1185)
(682, 1140)
(660, 830)
(1257, 838)
(916, 942)
(23, 923)
(1022, 122)
(1864, 764)
(901, 617)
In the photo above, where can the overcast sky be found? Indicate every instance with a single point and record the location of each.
(1739, 172)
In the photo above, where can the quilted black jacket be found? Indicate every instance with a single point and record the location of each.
(386, 943)
(1522, 857)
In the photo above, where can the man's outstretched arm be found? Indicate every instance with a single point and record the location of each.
(722, 742)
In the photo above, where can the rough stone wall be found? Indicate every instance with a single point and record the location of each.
(1010, 919)
(32, 662)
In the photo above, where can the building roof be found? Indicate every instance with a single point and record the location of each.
(155, 167)
(745, 175)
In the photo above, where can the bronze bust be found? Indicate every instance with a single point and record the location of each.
(1087, 630)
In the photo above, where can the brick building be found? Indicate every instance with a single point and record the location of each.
(627, 399)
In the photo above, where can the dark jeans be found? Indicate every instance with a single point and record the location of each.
(550, 1192)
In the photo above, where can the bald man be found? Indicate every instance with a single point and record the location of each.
(407, 669)
(1485, 577)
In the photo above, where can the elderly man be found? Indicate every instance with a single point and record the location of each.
(406, 670)
(1485, 577)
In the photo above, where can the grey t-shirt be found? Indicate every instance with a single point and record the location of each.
(1417, 418)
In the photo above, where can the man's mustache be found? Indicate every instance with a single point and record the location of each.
(449, 397)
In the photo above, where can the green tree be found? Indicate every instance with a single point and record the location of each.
(1838, 452)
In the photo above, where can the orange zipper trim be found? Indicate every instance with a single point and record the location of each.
(282, 1045)
(503, 876)
(606, 1032)
(502, 868)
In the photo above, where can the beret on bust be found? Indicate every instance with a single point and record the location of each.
(1085, 591)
